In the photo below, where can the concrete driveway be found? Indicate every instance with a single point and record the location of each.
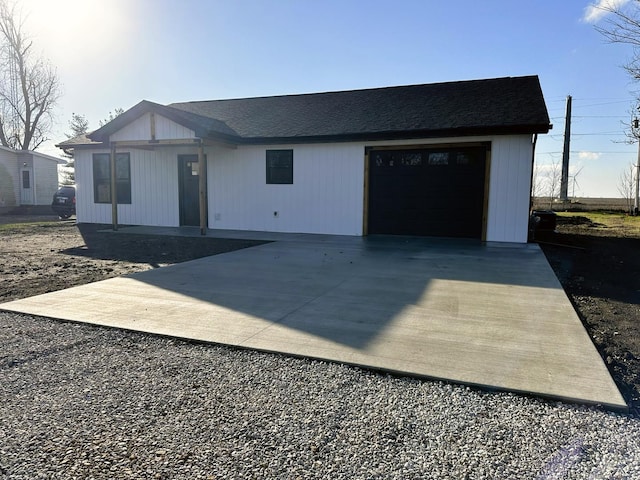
(488, 315)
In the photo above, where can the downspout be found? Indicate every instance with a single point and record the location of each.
(533, 162)
(202, 187)
(114, 190)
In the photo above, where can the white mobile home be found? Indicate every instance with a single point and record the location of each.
(27, 179)
(449, 159)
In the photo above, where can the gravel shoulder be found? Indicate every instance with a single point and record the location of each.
(81, 401)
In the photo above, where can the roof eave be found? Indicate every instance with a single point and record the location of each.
(399, 135)
(354, 137)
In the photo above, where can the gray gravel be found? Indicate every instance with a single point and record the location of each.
(78, 401)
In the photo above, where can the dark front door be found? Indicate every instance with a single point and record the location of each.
(189, 178)
(427, 192)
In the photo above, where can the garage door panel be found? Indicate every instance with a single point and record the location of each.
(430, 192)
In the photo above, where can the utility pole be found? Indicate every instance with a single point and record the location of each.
(564, 182)
(636, 204)
(635, 124)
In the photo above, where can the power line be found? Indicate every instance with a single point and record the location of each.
(591, 116)
(595, 133)
(605, 103)
(580, 151)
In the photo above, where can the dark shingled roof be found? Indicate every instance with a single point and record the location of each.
(509, 105)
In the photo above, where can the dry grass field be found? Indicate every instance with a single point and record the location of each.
(582, 204)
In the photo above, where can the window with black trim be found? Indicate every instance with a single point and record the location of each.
(102, 178)
(279, 167)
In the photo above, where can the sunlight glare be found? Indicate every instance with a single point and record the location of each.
(72, 31)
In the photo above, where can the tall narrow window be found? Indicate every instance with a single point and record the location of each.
(279, 166)
(102, 178)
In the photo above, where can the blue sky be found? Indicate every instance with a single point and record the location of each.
(115, 53)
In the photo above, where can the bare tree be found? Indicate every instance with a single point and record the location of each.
(29, 86)
(627, 185)
(622, 25)
(535, 184)
(553, 176)
(538, 185)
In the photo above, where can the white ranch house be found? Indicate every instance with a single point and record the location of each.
(449, 159)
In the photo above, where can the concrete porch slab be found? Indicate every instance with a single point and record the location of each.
(487, 315)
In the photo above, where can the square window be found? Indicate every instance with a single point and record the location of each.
(279, 167)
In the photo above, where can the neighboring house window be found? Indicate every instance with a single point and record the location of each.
(279, 166)
(102, 178)
(26, 179)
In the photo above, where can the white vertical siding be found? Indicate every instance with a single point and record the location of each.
(168, 129)
(86, 211)
(326, 195)
(509, 190)
(140, 129)
(154, 189)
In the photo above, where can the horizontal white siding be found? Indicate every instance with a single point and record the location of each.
(326, 195)
(45, 180)
(9, 186)
(510, 187)
(140, 129)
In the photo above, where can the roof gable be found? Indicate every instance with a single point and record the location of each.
(147, 128)
(32, 154)
(509, 105)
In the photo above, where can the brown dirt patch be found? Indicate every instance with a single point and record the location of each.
(40, 257)
(599, 268)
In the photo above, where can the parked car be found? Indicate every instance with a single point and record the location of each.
(64, 201)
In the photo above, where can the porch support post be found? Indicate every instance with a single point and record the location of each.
(202, 187)
(114, 190)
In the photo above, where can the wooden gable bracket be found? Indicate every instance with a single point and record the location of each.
(152, 125)
(178, 142)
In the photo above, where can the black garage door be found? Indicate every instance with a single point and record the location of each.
(427, 192)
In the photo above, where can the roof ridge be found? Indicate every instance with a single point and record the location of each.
(355, 90)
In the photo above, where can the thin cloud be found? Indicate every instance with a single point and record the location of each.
(594, 12)
(589, 155)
